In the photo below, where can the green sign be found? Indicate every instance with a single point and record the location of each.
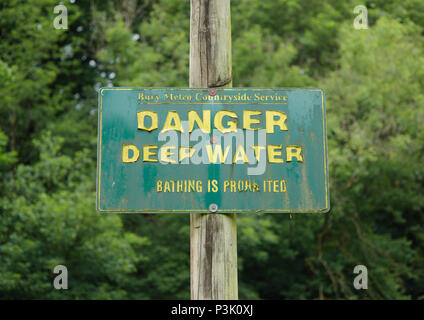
(175, 150)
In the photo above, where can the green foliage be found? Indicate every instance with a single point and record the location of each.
(48, 219)
(253, 71)
(160, 56)
(376, 143)
(374, 83)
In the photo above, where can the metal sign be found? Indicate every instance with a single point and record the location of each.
(175, 150)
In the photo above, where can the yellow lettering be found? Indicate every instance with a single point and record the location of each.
(232, 125)
(171, 118)
(257, 150)
(179, 185)
(191, 185)
(165, 153)
(186, 152)
(140, 117)
(275, 185)
(204, 125)
(214, 185)
(125, 153)
(159, 186)
(283, 185)
(166, 187)
(217, 152)
(147, 153)
(271, 122)
(294, 151)
(226, 185)
(248, 121)
(233, 186)
(273, 152)
(199, 185)
(240, 155)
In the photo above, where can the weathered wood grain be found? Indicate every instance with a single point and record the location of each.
(213, 237)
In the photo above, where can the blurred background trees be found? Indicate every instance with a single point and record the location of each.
(374, 83)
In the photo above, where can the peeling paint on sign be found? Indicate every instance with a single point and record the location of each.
(175, 150)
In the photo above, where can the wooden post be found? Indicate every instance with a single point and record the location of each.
(213, 237)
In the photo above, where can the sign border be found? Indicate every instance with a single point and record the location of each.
(99, 159)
